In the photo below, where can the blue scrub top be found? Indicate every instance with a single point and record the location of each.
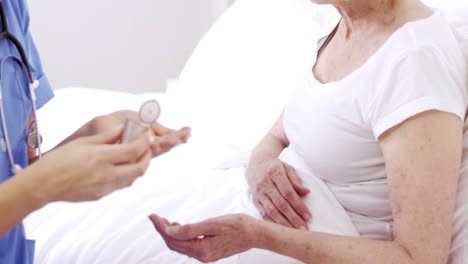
(14, 247)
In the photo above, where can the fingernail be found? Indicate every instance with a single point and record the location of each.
(302, 228)
(171, 230)
(307, 216)
(151, 137)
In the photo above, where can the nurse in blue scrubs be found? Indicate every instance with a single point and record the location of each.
(86, 166)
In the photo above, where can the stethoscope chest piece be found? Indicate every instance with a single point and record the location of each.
(32, 140)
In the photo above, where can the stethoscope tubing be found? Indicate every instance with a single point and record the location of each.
(16, 168)
(32, 85)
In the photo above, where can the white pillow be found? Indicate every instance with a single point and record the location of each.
(238, 80)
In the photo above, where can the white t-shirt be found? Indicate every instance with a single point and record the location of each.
(334, 128)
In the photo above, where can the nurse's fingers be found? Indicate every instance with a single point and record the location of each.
(122, 176)
(128, 152)
(161, 130)
(126, 174)
(166, 142)
(110, 136)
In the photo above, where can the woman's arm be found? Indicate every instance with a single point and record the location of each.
(422, 158)
(276, 189)
(272, 144)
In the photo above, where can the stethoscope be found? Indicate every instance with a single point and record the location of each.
(33, 137)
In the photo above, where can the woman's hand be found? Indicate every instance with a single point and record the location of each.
(89, 167)
(209, 240)
(276, 193)
(165, 138)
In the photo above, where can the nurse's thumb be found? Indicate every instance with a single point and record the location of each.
(107, 137)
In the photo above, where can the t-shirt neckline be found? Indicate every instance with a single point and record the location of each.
(314, 81)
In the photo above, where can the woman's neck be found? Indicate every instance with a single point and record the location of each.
(378, 15)
(364, 14)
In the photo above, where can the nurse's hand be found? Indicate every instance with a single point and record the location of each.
(165, 138)
(88, 168)
(276, 193)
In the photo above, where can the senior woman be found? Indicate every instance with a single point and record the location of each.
(380, 115)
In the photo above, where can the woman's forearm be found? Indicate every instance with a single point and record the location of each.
(314, 247)
(268, 147)
(19, 196)
(272, 144)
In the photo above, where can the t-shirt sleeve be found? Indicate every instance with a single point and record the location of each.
(44, 91)
(421, 80)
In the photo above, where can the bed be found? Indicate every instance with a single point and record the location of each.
(116, 229)
(228, 112)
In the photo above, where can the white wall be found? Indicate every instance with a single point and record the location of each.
(132, 46)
